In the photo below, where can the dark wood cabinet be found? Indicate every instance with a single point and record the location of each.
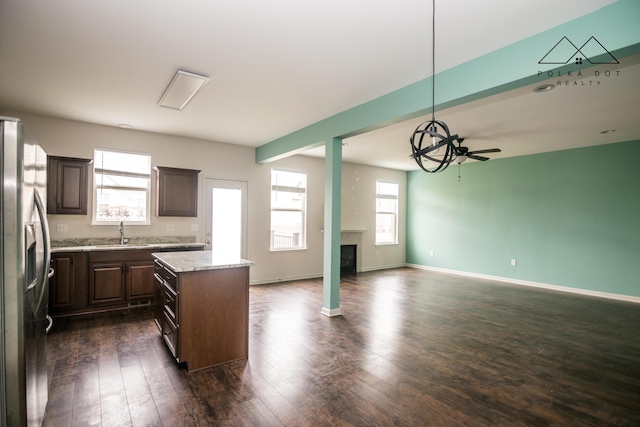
(204, 318)
(158, 299)
(176, 192)
(95, 281)
(119, 277)
(68, 285)
(139, 280)
(106, 283)
(67, 185)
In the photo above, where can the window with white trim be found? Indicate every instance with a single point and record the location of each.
(386, 212)
(121, 187)
(288, 210)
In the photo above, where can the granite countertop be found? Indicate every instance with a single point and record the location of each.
(181, 262)
(109, 246)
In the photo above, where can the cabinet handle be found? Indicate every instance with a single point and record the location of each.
(167, 301)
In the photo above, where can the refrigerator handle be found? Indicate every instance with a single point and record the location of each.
(50, 325)
(42, 214)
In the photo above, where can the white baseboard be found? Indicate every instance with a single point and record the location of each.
(383, 267)
(330, 313)
(317, 276)
(284, 279)
(598, 294)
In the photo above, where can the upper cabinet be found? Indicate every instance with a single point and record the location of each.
(177, 191)
(67, 185)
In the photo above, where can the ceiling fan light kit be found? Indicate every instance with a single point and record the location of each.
(427, 145)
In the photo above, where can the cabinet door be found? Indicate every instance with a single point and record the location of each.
(140, 280)
(177, 192)
(106, 283)
(158, 301)
(62, 283)
(170, 334)
(67, 190)
(68, 286)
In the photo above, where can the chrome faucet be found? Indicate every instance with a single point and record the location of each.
(121, 232)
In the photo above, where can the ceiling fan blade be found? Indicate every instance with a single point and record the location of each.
(488, 150)
(482, 159)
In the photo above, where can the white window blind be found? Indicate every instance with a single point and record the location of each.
(288, 209)
(386, 212)
(121, 186)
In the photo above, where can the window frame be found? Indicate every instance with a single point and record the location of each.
(303, 210)
(395, 213)
(96, 186)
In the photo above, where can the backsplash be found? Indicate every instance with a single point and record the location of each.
(63, 243)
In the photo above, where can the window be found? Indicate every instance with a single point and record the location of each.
(288, 209)
(121, 183)
(386, 213)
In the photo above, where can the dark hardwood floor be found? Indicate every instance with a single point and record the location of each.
(413, 348)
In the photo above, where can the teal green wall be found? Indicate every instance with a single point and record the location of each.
(570, 218)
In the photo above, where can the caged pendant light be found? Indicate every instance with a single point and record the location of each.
(432, 141)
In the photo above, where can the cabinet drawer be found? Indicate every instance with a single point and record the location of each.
(167, 275)
(170, 279)
(159, 268)
(170, 335)
(170, 303)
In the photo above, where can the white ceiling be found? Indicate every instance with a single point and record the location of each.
(277, 66)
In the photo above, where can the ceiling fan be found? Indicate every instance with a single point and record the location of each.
(463, 153)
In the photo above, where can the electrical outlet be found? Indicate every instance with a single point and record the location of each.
(171, 227)
(514, 262)
(430, 253)
(62, 228)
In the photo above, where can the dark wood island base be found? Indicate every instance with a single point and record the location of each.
(203, 313)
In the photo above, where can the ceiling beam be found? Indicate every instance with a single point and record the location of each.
(615, 26)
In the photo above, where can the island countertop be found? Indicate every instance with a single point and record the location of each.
(181, 262)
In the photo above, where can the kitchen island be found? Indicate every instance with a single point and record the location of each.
(203, 307)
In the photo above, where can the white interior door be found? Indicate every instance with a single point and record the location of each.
(226, 217)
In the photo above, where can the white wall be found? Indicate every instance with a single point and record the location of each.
(225, 161)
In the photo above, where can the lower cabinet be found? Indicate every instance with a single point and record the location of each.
(120, 277)
(139, 280)
(68, 285)
(106, 283)
(94, 281)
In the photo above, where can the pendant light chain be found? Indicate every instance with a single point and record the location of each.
(433, 63)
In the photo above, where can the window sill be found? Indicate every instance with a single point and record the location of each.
(286, 249)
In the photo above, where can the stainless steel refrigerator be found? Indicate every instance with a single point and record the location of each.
(25, 256)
